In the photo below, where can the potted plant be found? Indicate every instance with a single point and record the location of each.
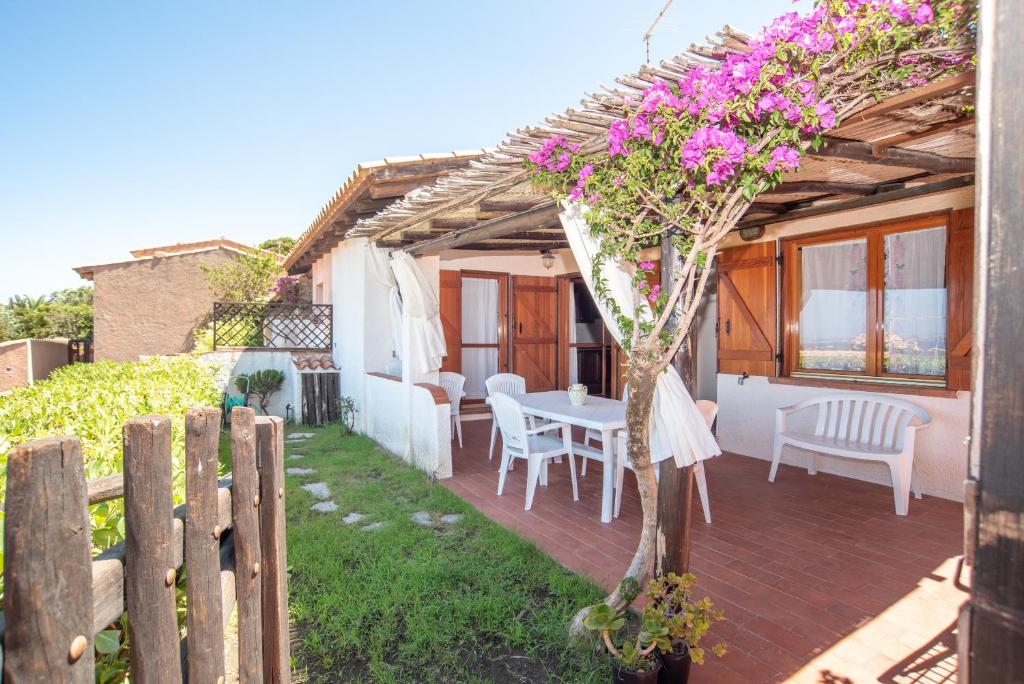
(263, 383)
(686, 621)
(636, 660)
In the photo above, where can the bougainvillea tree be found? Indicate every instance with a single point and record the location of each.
(686, 160)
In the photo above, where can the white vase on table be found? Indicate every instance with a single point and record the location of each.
(577, 394)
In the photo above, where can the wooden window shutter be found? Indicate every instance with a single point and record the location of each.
(450, 307)
(747, 311)
(959, 298)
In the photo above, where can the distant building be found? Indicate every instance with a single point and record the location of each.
(23, 362)
(151, 304)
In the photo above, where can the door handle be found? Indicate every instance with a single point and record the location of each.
(728, 326)
(520, 328)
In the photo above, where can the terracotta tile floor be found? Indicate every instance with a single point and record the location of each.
(820, 580)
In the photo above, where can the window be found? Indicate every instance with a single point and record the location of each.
(867, 302)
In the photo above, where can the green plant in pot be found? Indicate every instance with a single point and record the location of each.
(262, 383)
(687, 622)
(635, 661)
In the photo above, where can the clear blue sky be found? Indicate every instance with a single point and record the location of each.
(126, 125)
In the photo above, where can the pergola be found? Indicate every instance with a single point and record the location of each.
(917, 143)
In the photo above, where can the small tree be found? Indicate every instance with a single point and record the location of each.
(686, 160)
(262, 383)
(246, 278)
(278, 245)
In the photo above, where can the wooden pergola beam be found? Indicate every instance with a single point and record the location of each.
(823, 188)
(915, 96)
(507, 206)
(495, 228)
(514, 246)
(854, 150)
(879, 198)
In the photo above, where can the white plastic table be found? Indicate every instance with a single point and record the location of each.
(604, 415)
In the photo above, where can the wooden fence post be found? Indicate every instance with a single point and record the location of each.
(270, 460)
(245, 488)
(47, 586)
(149, 555)
(202, 547)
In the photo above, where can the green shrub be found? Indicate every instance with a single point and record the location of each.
(93, 401)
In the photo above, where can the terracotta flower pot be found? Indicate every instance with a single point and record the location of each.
(622, 676)
(675, 667)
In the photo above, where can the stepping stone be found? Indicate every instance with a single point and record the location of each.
(299, 471)
(372, 527)
(422, 518)
(318, 490)
(295, 457)
(298, 435)
(324, 507)
(451, 518)
(352, 518)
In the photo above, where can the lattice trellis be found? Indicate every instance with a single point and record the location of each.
(272, 325)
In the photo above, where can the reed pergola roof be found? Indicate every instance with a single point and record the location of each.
(916, 143)
(372, 187)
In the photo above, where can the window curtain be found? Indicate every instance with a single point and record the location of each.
(380, 268)
(833, 312)
(419, 304)
(915, 302)
(479, 326)
(677, 427)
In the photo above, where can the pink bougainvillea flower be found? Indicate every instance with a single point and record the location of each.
(923, 14)
(617, 134)
(646, 265)
(826, 115)
(653, 296)
(784, 158)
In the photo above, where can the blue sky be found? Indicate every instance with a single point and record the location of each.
(127, 125)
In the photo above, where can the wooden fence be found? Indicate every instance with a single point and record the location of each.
(229, 536)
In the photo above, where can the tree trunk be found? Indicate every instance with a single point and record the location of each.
(641, 374)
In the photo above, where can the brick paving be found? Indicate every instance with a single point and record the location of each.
(819, 579)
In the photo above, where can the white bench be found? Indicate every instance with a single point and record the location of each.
(865, 427)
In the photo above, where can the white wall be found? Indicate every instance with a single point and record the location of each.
(746, 422)
(237, 362)
(516, 263)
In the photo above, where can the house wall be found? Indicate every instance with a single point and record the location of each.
(152, 306)
(746, 417)
(502, 262)
(14, 369)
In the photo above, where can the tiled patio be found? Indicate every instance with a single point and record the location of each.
(819, 579)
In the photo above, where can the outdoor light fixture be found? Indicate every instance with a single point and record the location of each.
(547, 258)
(751, 233)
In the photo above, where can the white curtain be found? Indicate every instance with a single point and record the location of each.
(479, 326)
(833, 312)
(419, 303)
(677, 427)
(380, 268)
(915, 302)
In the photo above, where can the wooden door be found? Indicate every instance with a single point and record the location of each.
(747, 310)
(450, 307)
(534, 338)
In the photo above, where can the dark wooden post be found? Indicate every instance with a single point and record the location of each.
(245, 489)
(675, 485)
(48, 569)
(996, 615)
(202, 547)
(149, 552)
(270, 460)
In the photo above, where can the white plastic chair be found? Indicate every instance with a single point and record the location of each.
(866, 427)
(709, 410)
(506, 383)
(452, 384)
(530, 444)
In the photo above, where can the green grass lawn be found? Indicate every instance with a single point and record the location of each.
(463, 602)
